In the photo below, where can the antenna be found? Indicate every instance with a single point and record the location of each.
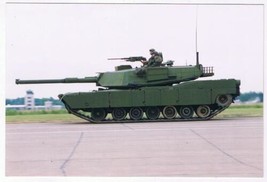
(197, 58)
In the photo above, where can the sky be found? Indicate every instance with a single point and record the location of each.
(53, 41)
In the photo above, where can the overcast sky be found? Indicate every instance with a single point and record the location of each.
(52, 41)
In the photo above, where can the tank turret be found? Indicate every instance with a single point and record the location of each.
(125, 76)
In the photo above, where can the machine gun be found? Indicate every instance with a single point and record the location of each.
(131, 59)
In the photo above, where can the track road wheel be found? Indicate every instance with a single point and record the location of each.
(169, 112)
(119, 114)
(203, 111)
(152, 113)
(136, 113)
(98, 114)
(186, 112)
(224, 100)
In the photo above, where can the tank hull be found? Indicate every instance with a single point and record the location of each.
(201, 98)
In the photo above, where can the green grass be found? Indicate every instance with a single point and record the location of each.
(234, 111)
(29, 112)
(40, 116)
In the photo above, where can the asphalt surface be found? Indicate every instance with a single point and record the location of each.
(215, 148)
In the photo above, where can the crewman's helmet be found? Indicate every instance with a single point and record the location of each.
(152, 51)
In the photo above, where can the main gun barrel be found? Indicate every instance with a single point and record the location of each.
(65, 80)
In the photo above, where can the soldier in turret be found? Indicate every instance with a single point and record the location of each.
(154, 60)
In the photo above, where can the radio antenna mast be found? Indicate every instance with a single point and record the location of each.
(197, 59)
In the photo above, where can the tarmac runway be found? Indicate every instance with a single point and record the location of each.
(215, 148)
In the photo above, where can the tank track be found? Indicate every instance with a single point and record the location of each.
(88, 118)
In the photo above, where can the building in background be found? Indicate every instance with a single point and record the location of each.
(29, 104)
(29, 100)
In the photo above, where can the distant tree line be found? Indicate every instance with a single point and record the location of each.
(250, 96)
(37, 101)
(244, 97)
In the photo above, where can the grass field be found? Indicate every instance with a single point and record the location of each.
(234, 111)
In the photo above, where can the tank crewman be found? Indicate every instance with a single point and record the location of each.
(154, 60)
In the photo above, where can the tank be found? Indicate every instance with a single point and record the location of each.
(158, 93)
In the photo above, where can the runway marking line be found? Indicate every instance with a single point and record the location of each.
(64, 164)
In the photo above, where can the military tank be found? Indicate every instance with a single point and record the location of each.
(164, 92)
